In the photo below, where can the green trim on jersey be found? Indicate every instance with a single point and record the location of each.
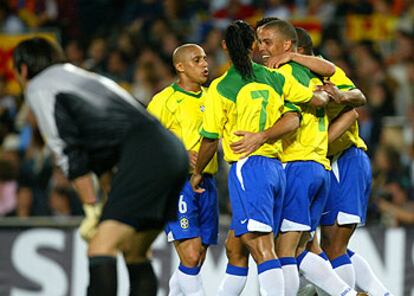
(346, 87)
(292, 106)
(302, 74)
(231, 84)
(208, 135)
(176, 87)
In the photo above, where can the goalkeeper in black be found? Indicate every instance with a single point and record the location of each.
(92, 125)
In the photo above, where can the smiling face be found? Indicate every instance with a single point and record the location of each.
(272, 43)
(191, 64)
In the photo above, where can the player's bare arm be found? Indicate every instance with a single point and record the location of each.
(207, 150)
(85, 189)
(353, 97)
(317, 65)
(341, 124)
(252, 141)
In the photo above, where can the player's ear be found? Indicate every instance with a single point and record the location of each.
(179, 67)
(224, 45)
(24, 71)
(287, 45)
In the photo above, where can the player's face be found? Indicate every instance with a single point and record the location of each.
(270, 42)
(196, 66)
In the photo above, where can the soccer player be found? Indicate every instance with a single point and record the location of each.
(180, 108)
(350, 181)
(93, 125)
(305, 154)
(250, 98)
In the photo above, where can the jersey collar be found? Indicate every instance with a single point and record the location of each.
(176, 87)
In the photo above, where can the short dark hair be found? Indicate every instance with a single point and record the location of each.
(266, 20)
(304, 41)
(285, 28)
(37, 54)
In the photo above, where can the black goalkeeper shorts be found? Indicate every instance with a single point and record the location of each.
(151, 172)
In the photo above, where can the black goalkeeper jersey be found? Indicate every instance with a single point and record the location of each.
(85, 117)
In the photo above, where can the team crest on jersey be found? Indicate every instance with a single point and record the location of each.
(202, 108)
(184, 223)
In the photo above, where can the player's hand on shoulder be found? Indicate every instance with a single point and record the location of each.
(332, 90)
(277, 61)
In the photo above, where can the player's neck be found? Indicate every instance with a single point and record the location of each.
(189, 85)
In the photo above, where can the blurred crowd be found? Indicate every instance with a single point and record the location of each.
(132, 41)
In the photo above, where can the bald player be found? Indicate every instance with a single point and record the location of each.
(180, 109)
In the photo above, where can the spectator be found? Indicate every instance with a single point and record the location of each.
(59, 202)
(9, 22)
(8, 187)
(390, 183)
(24, 203)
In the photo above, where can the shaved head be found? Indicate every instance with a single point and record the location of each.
(181, 53)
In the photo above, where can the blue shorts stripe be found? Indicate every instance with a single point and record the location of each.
(300, 258)
(236, 270)
(341, 260)
(324, 256)
(267, 265)
(287, 261)
(189, 270)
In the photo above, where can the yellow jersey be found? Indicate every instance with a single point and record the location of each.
(234, 104)
(310, 140)
(181, 112)
(351, 136)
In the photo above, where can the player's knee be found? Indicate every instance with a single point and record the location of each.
(97, 248)
(192, 258)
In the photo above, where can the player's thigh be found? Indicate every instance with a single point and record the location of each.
(136, 248)
(286, 243)
(109, 237)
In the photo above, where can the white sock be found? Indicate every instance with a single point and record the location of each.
(234, 281)
(174, 286)
(189, 281)
(343, 267)
(317, 271)
(271, 281)
(366, 278)
(291, 275)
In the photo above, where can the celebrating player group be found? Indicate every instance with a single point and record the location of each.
(288, 129)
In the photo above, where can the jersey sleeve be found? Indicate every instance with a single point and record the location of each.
(295, 92)
(290, 107)
(342, 81)
(213, 117)
(60, 132)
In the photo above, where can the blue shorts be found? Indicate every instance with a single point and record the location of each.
(197, 215)
(256, 188)
(351, 180)
(307, 187)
